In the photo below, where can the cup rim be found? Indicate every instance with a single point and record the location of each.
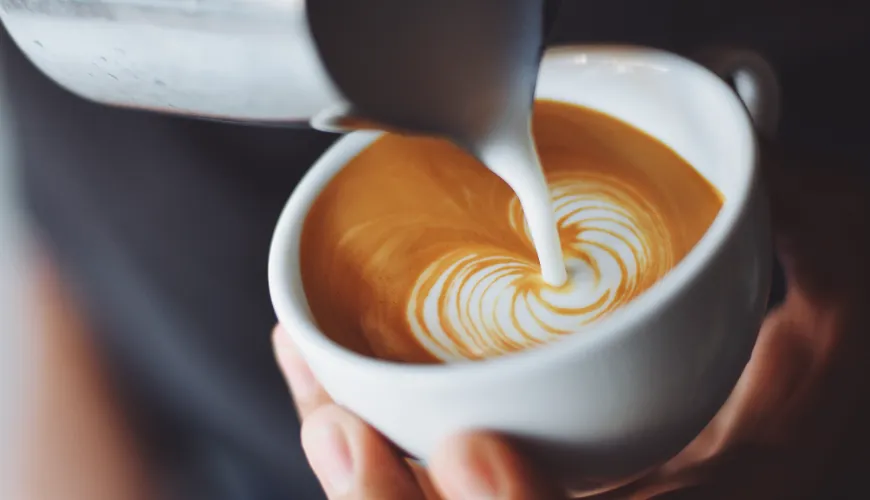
(291, 305)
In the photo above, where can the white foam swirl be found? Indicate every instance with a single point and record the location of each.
(486, 302)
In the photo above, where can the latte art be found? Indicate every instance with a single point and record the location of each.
(472, 305)
(415, 252)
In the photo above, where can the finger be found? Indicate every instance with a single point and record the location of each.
(424, 480)
(307, 392)
(482, 465)
(352, 460)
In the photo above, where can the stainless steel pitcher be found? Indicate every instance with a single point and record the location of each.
(284, 61)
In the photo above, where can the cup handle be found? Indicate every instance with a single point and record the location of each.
(753, 79)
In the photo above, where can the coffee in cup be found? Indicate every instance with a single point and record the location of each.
(415, 252)
(623, 393)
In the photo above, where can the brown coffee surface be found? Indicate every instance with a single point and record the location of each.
(416, 252)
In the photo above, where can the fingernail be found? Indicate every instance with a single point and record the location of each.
(301, 379)
(480, 480)
(329, 455)
(299, 376)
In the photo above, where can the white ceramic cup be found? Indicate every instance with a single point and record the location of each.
(596, 408)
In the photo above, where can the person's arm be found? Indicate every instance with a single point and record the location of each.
(71, 442)
(76, 444)
(795, 424)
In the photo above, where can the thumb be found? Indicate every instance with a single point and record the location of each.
(484, 466)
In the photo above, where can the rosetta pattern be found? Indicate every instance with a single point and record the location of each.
(484, 302)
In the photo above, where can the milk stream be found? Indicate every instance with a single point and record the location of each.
(518, 164)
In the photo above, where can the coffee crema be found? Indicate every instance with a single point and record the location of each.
(415, 252)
